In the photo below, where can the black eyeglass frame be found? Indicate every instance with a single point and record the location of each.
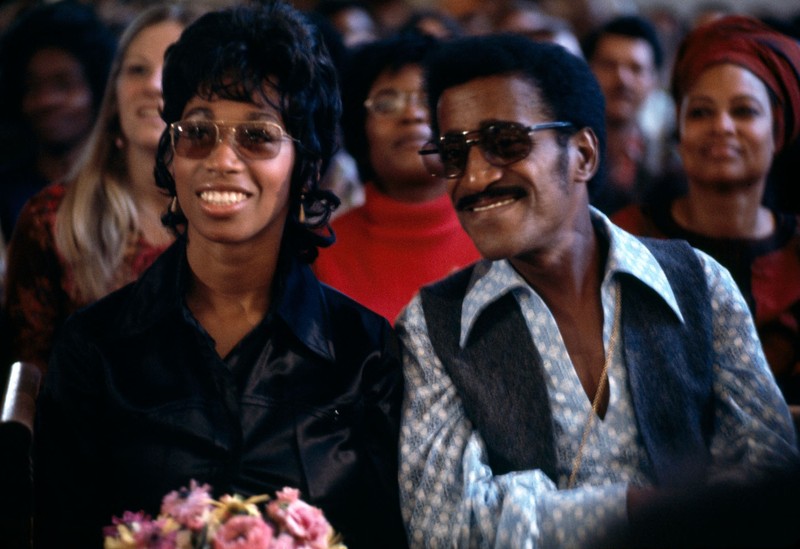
(481, 132)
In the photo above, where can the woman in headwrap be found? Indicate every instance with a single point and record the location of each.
(736, 84)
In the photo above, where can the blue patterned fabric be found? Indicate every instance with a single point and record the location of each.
(450, 496)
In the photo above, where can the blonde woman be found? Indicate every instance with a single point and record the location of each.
(77, 240)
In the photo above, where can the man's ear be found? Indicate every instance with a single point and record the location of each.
(587, 154)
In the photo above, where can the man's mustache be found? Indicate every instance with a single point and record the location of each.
(467, 202)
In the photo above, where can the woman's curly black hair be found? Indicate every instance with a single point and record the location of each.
(240, 53)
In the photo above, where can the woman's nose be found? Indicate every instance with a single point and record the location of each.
(415, 108)
(223, 155)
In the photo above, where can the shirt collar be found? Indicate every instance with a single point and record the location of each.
(491, 280)
(300, 301)
(301, 304)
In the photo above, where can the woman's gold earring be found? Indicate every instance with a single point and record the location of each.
(301, 216)
(173, 206)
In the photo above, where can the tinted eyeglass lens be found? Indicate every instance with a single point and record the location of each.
(453, 151)
(194, 139)
(500, 143)
(387, 102)
(392, 102)
(505, 143)
(256, 140)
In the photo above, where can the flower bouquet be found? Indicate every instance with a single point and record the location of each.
(191, 519)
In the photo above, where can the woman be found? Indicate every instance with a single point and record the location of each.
(227, 362)
(407, 233)
(736, 83)
(78, 240)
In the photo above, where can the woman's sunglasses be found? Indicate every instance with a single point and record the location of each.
(501, 143)
(254, 140)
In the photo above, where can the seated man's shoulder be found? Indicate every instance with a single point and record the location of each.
(453, 285)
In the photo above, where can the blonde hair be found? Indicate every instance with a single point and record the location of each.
(97, 219)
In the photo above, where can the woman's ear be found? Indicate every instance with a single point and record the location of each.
(587, 154)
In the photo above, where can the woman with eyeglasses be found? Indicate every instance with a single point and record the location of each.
(227, 362)
(406, 234)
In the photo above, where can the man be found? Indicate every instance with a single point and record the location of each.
(406, 234)
(625, 55)
(576, 372)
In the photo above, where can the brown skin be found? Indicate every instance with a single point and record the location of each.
(57, 104)
(542, 225)
(547, 233)
(395, 139)
(233, 245)
(626, 71)
(229, 299)
(727, 145)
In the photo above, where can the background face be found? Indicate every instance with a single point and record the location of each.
(139, 84)
(57, 101)
(625, 70)
(726, 132)
(394, 140)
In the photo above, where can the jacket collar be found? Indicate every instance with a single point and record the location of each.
(300, 303)
(160, 293)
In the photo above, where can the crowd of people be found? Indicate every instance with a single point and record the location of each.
(477, 275)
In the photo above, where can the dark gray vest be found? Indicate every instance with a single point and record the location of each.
(500, 377)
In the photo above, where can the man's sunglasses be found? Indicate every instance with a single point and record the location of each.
(501, 143)
(254, 140)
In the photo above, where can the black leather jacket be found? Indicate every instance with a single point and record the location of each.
(137, 402)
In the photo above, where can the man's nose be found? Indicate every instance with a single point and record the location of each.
(478, 172)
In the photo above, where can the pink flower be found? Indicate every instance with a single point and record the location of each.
(243, 532)
(190, 518)
(128, 519)
(307, 524)
(188, 506)
(152, 535)
(287, 495)
(284, 541)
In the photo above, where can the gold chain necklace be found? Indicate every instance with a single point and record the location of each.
(612, 343)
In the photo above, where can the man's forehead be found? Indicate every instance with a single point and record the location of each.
(611, 44)
(498, 97)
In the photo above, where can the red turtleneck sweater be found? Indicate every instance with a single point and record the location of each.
(386, 250)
